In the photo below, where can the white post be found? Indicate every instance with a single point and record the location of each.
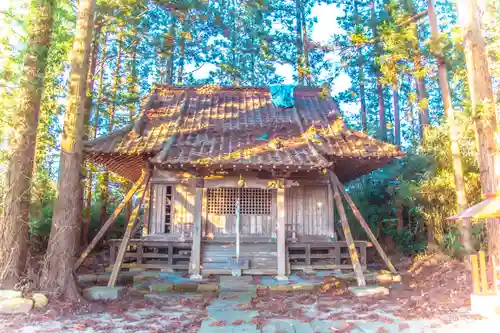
(281, 235)
(238, 229)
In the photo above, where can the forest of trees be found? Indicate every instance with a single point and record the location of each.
(424, 75)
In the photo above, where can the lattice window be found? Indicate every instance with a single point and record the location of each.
(253, 201)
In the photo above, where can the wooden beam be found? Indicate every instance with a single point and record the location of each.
(140, 182)
(195, 262)
(126, 237)
(281, 234)
(482, 270)
(358, 270)
(336, 182)
(476, 285)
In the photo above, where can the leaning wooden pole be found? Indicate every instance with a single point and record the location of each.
(337, 184)
(126, 236)
(111, 219)
(348, 238)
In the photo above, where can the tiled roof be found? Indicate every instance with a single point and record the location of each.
(229, 127)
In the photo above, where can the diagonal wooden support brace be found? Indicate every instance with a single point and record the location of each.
(336, 182)
(126, 237)
(348, 238)
(141, 181)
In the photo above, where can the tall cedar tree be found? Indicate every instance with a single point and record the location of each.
(104, 185)
(483, 105)
(419, 73)
(87, 167)
(380, 88)
(57, 274)
(361, 69)
(456, 157)
(14, 224)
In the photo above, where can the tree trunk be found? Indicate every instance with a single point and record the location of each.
(361, 73)
(57, 273)
(422, 97)
(14, 224)
(170, 44)
(182, 46)
(86, 167)
(397, 121)
(305, 45)
(456, 157)
(100, 87)
(380, 89)
(300, 46)
(483, 105)
(133, 93)
(104, 184)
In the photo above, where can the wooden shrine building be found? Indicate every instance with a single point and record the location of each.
(231, 182)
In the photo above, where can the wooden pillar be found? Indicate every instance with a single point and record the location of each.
(337, 184)
(126, 237)
(281, 233)
(348, 238)
(331, 215)
(147, 208)
(195, 262)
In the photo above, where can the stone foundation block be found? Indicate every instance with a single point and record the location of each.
(100, 293)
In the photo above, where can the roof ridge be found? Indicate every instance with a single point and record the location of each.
(225, 88)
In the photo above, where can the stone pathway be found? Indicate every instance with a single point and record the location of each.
(226, 309)
(240, 306)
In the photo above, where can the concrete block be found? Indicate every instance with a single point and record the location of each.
(10, 294)
(208, 287)
(161, 287)
(369, 291)
(100, 293)
(486, 305)
(186, 287)
(16, 305)
(137, 269)
(87, 278)
(103, 278)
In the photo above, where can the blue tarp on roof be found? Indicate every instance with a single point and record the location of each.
(282, 95)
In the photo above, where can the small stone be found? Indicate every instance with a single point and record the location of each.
(161, 287)
(10, 294)
(100, 293)
(207, 287)
(369, 291)
(16, 305)
(40, 300)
